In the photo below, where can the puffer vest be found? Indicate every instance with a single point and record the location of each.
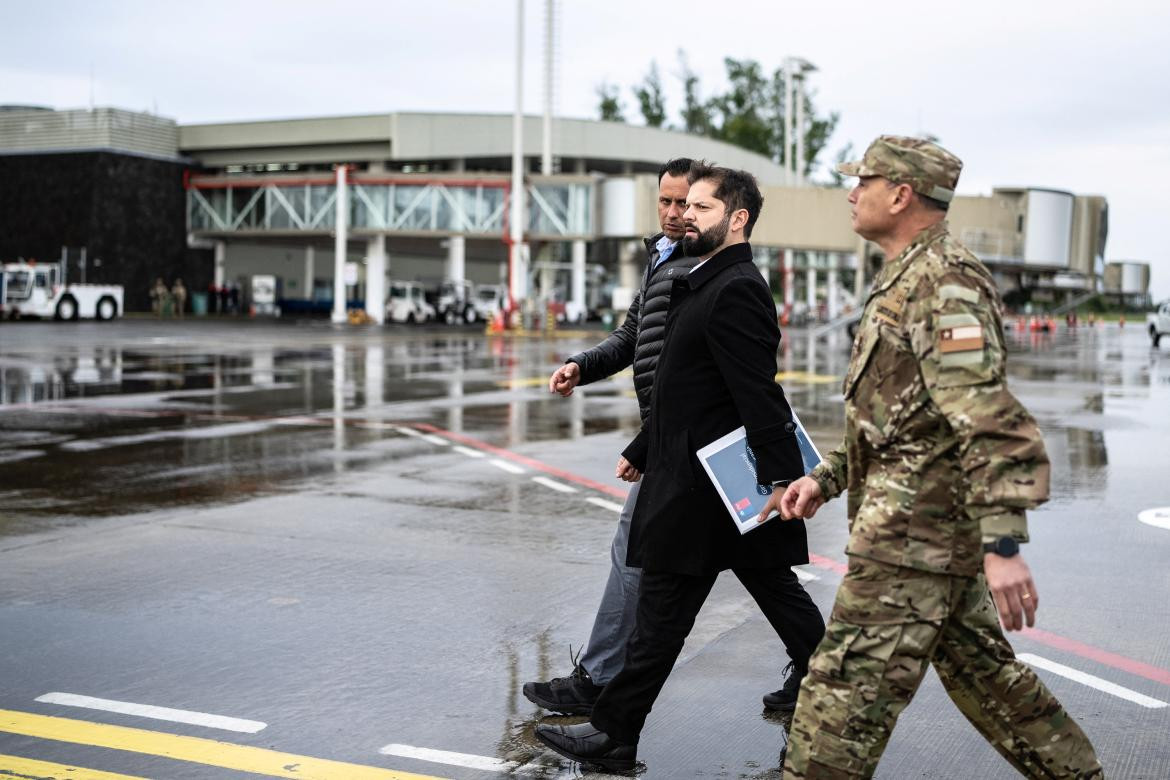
(654, 305)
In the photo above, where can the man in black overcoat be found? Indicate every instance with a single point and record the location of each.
(716, 372)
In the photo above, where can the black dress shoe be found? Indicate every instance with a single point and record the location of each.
(784, 699)
(572, 695)
(584, 744)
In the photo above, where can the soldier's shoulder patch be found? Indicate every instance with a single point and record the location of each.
(959, 333)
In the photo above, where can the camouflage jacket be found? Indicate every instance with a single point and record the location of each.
(937, 453)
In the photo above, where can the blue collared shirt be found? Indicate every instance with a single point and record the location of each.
(665, 248)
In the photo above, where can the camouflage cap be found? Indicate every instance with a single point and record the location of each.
(928, 168)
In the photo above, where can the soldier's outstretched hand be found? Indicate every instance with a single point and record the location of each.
(802, 499)
(1010, 581)
(564, 379)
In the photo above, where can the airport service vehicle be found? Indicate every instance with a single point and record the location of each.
(490, 299)
(407, 302)
(1158, 324)
(39, 290)
(455, 304)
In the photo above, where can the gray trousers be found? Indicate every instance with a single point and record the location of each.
(606, 651)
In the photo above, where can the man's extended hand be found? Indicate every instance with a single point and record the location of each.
(564, 379)
(802, 499)
(1010, 581)
(626, 470)
(793, 508)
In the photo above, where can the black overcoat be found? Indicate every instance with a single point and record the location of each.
(716, 372)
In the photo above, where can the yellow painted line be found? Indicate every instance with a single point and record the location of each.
(31, 769)
(210, 752)
(805, 376)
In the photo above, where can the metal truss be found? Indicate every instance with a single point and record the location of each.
(473, 207)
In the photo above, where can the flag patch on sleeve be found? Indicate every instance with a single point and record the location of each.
(965, 338)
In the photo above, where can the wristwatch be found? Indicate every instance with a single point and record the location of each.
(1004, 547)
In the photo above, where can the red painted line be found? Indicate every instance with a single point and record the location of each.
(822, 562)
(512, 456)
(1097, 654)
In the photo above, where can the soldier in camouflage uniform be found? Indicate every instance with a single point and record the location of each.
(940, 462)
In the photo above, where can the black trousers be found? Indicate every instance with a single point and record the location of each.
(667, 606)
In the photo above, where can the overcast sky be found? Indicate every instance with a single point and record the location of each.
(1069, 95)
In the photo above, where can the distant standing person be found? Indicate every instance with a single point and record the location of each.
(179, 293)
(159, 296)
(940, 463)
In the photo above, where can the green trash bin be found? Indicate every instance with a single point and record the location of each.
(199, 304)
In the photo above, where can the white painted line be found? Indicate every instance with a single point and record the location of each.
(472, 761)
(468, 451)
(511, 468)
(560, 487)
(435, 440)
(410, 432)
(466, 760)
(1092, 681)
(157, 713)
(1159, 518)
(803, 575)
(601, 502)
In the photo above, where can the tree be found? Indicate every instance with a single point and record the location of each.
(845, 155)
(750, 114)
(651, 101)
(696, 114)
(743, 108)
(610, 107)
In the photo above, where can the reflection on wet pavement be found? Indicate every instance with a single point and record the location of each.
(101, 421)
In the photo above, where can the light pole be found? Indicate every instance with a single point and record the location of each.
(517, 272)
(795, 69)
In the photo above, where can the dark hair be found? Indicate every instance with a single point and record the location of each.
(934, 203)
(679, 166)
(929, 202)
(737, 189)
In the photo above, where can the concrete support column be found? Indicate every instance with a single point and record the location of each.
(376, 278)
(310, 271)
(341, 236)
(339, 406)
(456, 258)
(548, 276)
(631, 264)
(220, 261)
(577, 279)
(455, 392)
(811, 292)
(789, 280)
(375, 374)
(833, 308)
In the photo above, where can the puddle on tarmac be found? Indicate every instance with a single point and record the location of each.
(90, 425)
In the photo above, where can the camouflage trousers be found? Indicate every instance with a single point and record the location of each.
(888, 624)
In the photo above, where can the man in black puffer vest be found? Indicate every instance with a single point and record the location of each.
(637, 341)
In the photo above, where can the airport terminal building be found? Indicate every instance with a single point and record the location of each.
(425, 197)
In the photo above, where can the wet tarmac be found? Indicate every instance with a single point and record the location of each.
(368, 540)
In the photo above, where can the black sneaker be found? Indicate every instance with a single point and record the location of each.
(572, 695)
(784, 699)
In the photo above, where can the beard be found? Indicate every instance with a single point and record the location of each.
(708, 240)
